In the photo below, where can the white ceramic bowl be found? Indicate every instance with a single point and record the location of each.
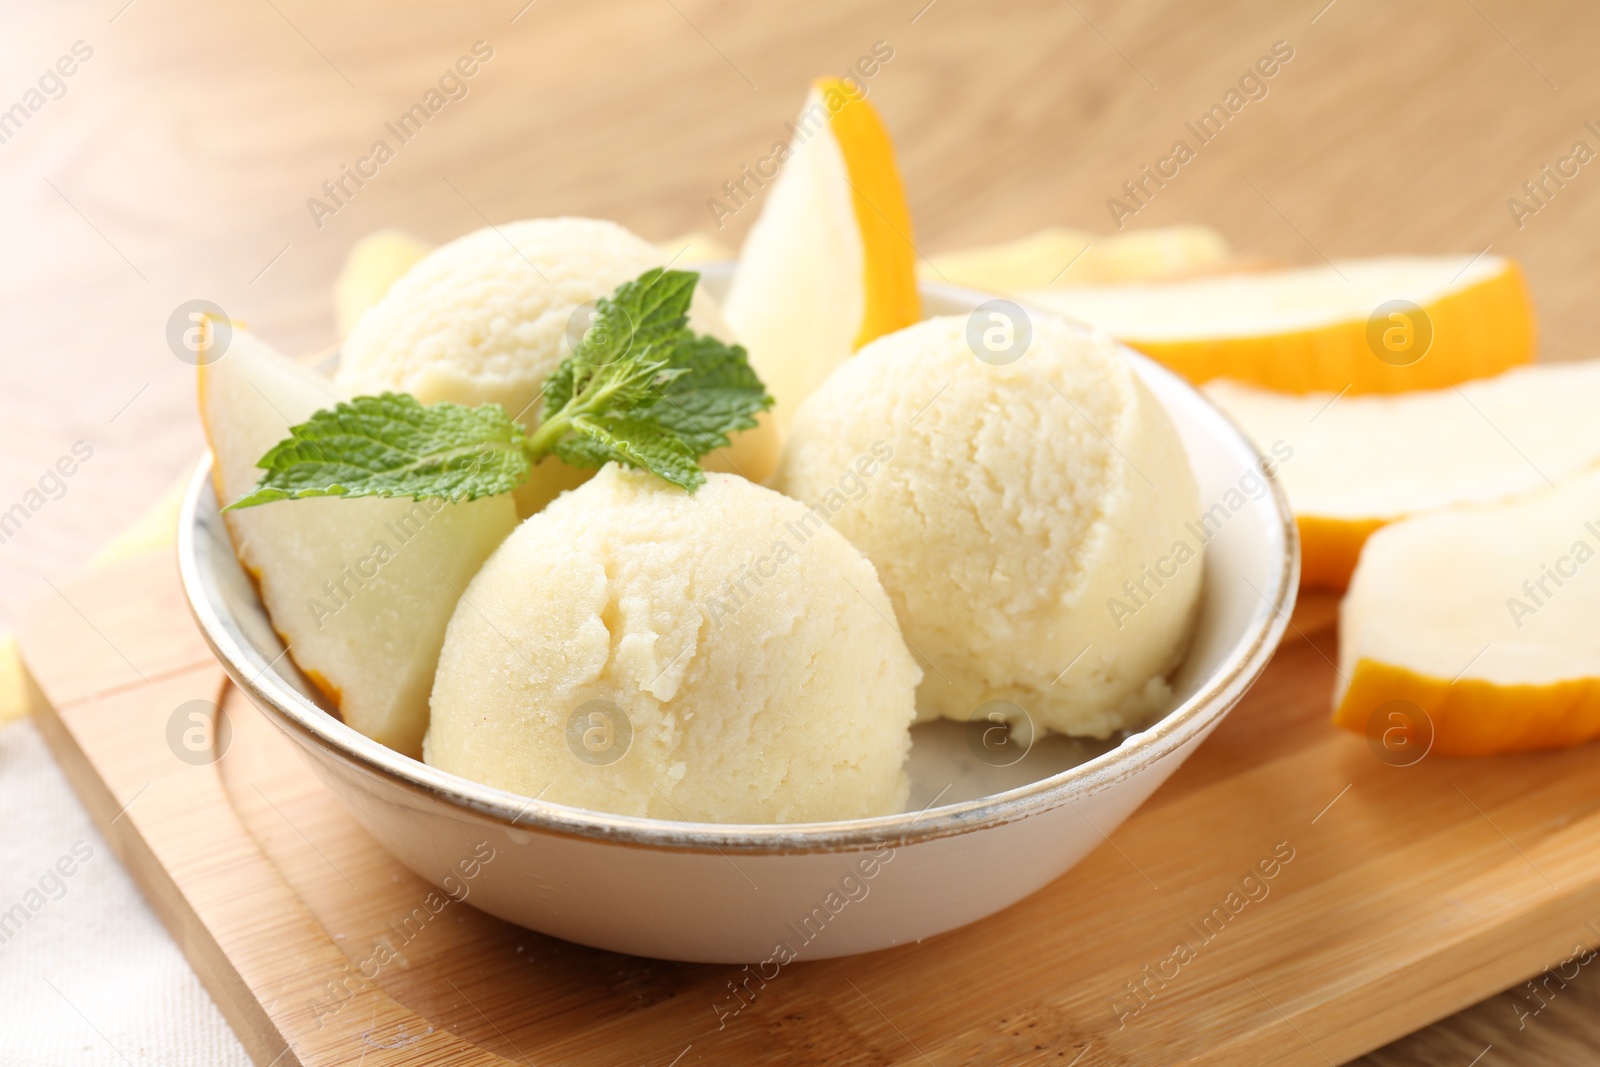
(976, 838)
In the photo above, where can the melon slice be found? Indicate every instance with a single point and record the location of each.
(1324, 328)
(1056, 255)
(359, 590)
(688, 250)
(1478, 625)
(1359, 462)
(829, 264)
(372, 265)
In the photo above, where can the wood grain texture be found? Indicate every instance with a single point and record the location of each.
(1379, 898)
(178, 162)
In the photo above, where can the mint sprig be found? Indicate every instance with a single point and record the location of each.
(393, 445)
(641, 388)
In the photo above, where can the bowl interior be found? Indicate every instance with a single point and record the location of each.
(1250, 572)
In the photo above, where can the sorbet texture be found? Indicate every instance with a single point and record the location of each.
(488, 317)
(715, 656)
(1021, 503)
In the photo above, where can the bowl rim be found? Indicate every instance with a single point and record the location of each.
(327, 737)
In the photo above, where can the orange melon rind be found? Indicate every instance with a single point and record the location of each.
(1480, 327)
(1329, 549)
(889, 265)
(1351, 465)
(1474, 716)
(829, 265)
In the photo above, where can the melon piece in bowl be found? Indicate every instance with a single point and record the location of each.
(829, 264)
(359, 590)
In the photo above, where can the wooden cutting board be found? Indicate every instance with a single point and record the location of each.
(1398, 895)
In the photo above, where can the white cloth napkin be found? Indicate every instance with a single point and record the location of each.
(88, 975)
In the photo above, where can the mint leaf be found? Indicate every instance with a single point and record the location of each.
(394, 446)
(718, 393)
(639, 360)
(613, 361)
(637, 441)
(649, 310)
(640, 389)
(611, 417)
(577, 450)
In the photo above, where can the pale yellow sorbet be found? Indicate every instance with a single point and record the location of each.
(640, 650)
(488, 317)
(1016, 501)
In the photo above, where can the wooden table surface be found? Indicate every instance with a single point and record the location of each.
(176, 161)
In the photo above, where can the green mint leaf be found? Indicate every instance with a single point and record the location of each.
(640, 363)
(577, 450)
(626, 334)
(636, 440)
(717, 394)
(394, 446)
(647, 311)
(650, 309)
(639, 389)
(559, 387)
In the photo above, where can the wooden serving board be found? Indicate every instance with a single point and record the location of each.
(1408, 893)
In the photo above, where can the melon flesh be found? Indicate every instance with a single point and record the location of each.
(828, 265)
(371, 266)
(1056, 256)
(1483, 618)
(359, 590)
(796, 299)
(1311, 329)
(1359, 462)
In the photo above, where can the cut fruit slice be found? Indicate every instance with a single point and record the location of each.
(1369, 326)
(689, 249)
(359, 590)
(1059, 256)
(373, 264)
(1357, 463)
(829, 264)
(1474, 629)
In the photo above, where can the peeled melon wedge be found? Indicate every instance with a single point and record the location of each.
(829, 264)
(1056, 255)
(1483, 620)
(359, 590)
(1321, 328)
(1357, 463)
